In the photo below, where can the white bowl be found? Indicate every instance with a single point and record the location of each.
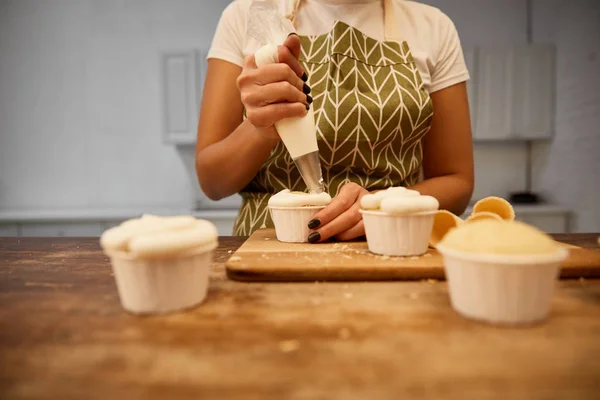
(291, 223)
(502, 289)
(162, 285)
(398, 235)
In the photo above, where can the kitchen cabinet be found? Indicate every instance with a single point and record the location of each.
(91, 223)
(548, 218)
(514, 93)
(9, 230)
(62, 229)
(549, 223)
(181, 76)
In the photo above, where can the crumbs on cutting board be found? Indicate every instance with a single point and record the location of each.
(288, 346)
(344, 333)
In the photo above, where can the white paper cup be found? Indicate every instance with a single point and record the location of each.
(398, 235)
(502, 289)
(291, 223)
(162, 285)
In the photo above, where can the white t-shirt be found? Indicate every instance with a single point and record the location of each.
(431, 35)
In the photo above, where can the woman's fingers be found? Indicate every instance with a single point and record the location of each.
(266, 116)
(271, 73)
(293, 44)
(339, 216)
(343, 222)
(344, 200)
(289, 54)
(357, 230)
(276, 93)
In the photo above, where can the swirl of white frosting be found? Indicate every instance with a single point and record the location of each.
(408, 204)
(154, 236)
(373, 201)
(399, 201)
(285, 198)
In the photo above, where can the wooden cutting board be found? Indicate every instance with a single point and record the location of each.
(263, 258)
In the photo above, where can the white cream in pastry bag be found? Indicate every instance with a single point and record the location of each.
(299, 134)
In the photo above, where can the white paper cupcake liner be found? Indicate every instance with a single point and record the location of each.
(162, 285)
(291, 223)
(502, 289)
(394, 235)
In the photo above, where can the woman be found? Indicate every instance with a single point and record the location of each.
(375, 72)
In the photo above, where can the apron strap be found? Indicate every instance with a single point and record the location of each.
(391, 28)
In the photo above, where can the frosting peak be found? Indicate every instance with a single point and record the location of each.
(286, 198)
(398, 201)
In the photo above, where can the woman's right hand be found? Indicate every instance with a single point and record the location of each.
(274, 91)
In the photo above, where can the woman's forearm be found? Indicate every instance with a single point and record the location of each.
(452, 191)
(226, 167)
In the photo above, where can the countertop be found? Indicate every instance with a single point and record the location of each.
(63, 335)
(119, 214)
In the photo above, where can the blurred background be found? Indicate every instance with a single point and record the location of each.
(99, 101)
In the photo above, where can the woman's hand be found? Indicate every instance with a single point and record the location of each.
(274, 91)
(341, 218)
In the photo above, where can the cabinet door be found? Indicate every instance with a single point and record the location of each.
(180, 96)
(549, 223)
(534, 81)
(494, 94)
(9, 230)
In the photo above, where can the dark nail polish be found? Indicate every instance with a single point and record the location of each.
(304, 77)
(306, 89)
(309, 99)
(314, 223)
(293, 33)
(314, 237)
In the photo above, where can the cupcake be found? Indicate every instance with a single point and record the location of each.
(292, 211)
(160, 264)
(398, 221)
(501, 272)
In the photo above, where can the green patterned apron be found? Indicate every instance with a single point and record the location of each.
(372, 112)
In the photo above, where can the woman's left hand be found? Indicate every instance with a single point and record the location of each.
(341, 218)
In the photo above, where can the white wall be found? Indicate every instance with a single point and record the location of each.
(80, 101)
(564, 170)
(567, 169)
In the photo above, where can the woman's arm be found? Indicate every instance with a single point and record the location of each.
(230, 152)
(448, 151)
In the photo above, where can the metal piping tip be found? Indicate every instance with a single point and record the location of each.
(309, 166)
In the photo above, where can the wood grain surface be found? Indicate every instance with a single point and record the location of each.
(64, 335)
(263, 258)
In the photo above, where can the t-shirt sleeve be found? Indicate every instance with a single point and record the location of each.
(228, 41)
(450, 67)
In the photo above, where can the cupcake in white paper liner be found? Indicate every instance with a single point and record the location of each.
(292, 211)
(161, 264)
(501, 272)
(398, 221)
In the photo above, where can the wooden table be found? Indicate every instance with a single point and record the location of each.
(63, 334)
